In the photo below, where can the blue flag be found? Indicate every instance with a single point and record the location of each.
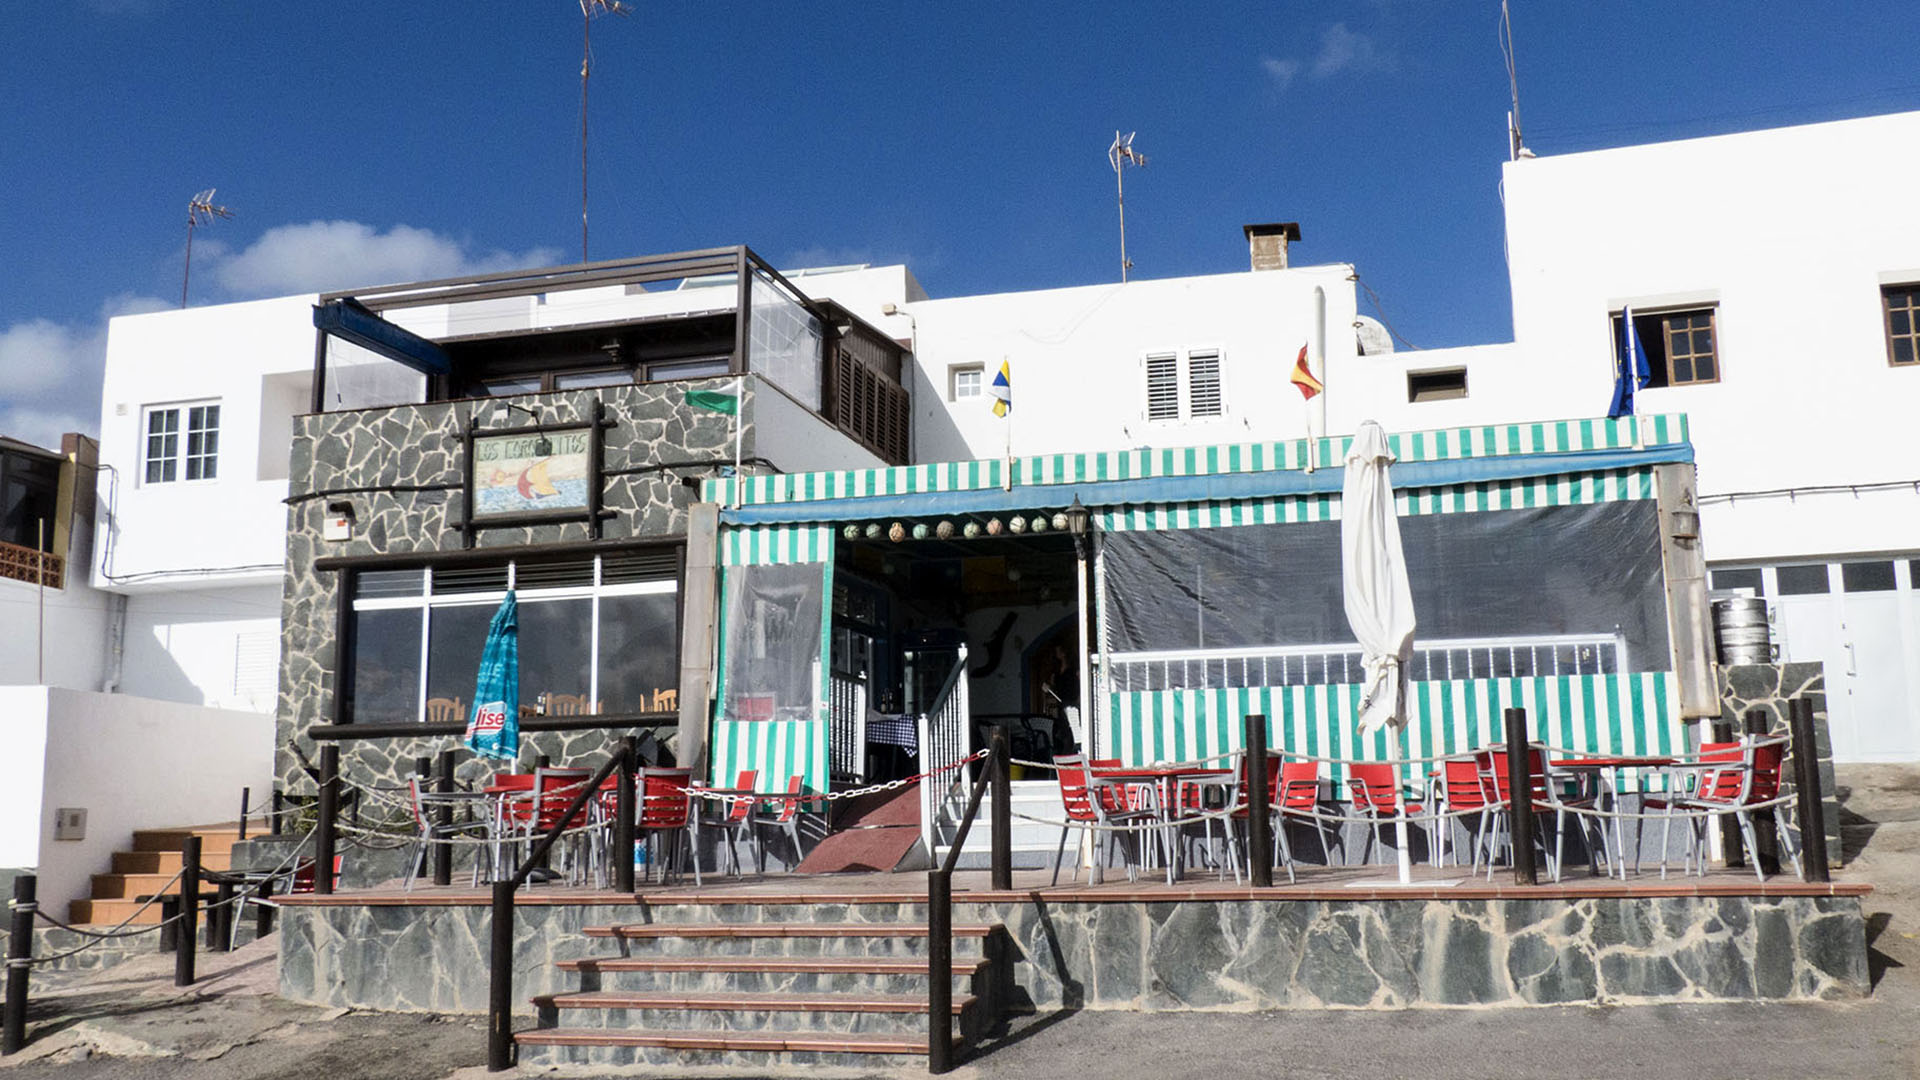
(1630, 369)
(494, 729)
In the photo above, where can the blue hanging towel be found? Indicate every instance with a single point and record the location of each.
(494, 728)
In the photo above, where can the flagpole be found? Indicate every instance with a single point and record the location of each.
(1006, 470)
(1317, 363)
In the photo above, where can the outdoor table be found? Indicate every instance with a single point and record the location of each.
(1598, 770)
(1165, 781)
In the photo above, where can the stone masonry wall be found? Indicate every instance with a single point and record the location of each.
(1179, 955)
(402, 470)
(1769, 687)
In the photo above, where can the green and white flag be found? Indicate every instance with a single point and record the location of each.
(720, 401)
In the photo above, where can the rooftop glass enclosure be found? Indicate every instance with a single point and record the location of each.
(656, 318)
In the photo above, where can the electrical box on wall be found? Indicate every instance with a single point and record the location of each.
(70, 823)
(337, 525)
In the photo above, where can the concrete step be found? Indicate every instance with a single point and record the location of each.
(760, 1049)
(213, 838)
(110, 913)
(129, 886)
(787, 939)
(866, 1014)
(167, 862)
(770, 974)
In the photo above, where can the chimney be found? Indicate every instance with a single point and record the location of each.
(1267, 244)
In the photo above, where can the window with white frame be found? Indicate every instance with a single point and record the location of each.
(1186, 384)
(599, 635)
(965, 381)
(183, 442)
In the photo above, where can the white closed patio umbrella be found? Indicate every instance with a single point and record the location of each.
(1379, 601)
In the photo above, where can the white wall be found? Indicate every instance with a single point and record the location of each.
(796, 440)
(74, 633)
(133, 764)
(1792, 232)
(1076, 360)
(23, 755)
(214, 647)
(228, 530)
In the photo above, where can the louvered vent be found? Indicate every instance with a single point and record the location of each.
(1163, 387)
(1203, 385)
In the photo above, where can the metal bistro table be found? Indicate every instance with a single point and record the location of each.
(1166, 781)
(1597, 772)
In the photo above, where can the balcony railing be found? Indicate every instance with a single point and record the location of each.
(34, 567)
(1320, 665)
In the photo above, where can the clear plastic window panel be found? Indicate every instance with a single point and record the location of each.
(357, 378)
(1512, 593)
(783, 343)
(773, 641)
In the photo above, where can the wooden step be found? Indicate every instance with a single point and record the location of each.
(110, 913)
(735, 1002)
(836, 965)
(649, 931)
(751, 1041)
(130, 886)
(167, 862)
(213, 838)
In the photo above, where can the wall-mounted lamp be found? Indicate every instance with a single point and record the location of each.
(1079, 519)
(894, 309)
(1684, 525)
(542, 446)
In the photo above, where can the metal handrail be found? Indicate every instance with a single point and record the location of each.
(500, 974)
(940, 899)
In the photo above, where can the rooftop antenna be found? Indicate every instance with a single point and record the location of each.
(200, 208)
(588, 9)
(1120, 153)
(1516, 148)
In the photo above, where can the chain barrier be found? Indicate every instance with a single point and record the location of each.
(712, 795)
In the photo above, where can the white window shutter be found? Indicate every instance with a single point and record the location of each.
(1204, 394)
(1163, 386)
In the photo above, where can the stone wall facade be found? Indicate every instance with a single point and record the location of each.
(403, 471)
(1230, 955)
(1769, 687)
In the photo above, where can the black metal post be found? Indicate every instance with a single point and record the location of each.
(329, 807)
(19, 948)
(1806, 780)
(169, 928)
(1259, 803)
(939, 971)
(220, 919)
(183, 956)
(443, 817)
(622, 854)
(1520, 797)
(263, 912)
(1758, 723)
(246, 807)
(1001, 827)
(500, 980)
(277, 808)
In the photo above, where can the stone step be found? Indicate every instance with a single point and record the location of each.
(768, 974)
(868, 1014)
(908, 907)
(787, 939)
(761, 1049)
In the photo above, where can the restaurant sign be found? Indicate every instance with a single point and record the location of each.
(521, 474)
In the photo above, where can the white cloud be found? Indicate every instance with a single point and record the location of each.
(50, 373)
(1341, 50)
(323, 255)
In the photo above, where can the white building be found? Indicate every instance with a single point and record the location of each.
(1785, 260)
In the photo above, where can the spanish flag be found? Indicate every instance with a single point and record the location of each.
(1303, 377)
(1002, 391)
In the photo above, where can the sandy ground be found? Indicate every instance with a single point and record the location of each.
(131, 1022)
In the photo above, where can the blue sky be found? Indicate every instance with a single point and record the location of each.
(364, 141)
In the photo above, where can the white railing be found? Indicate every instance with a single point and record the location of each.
(847, 729)
(944, 729)
(1317, 665)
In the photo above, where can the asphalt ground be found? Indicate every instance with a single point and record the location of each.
(130, 1022)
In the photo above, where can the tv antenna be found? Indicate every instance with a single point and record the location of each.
(1120, 153)
(200, 208)
(588, 9)
(1516, 149)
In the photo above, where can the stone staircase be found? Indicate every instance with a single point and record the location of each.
(147, 869)
(703, 989)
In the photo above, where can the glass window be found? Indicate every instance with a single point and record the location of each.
(1867, 576)
(29, 490)
(966, 382)
(165, 460)
(773, 641)
(1749, 579)
(1680, 346)
(385, 667)
(637, 663)
(582, 380)
(1902, 306)
(524, 384)
(1803, 580)
(639, 653)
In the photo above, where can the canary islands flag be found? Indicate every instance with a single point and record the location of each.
(1302, 377)
(1002, 392)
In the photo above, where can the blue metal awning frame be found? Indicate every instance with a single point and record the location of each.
(354, 322)
(1220, 487)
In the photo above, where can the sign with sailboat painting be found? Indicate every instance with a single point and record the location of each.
(532, 473)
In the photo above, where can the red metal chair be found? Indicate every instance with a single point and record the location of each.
(1117, 802)
(1070, 772)
(1725, 778)
(734, 818)
(1375, 792)
(784, 816)
(666, 810)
